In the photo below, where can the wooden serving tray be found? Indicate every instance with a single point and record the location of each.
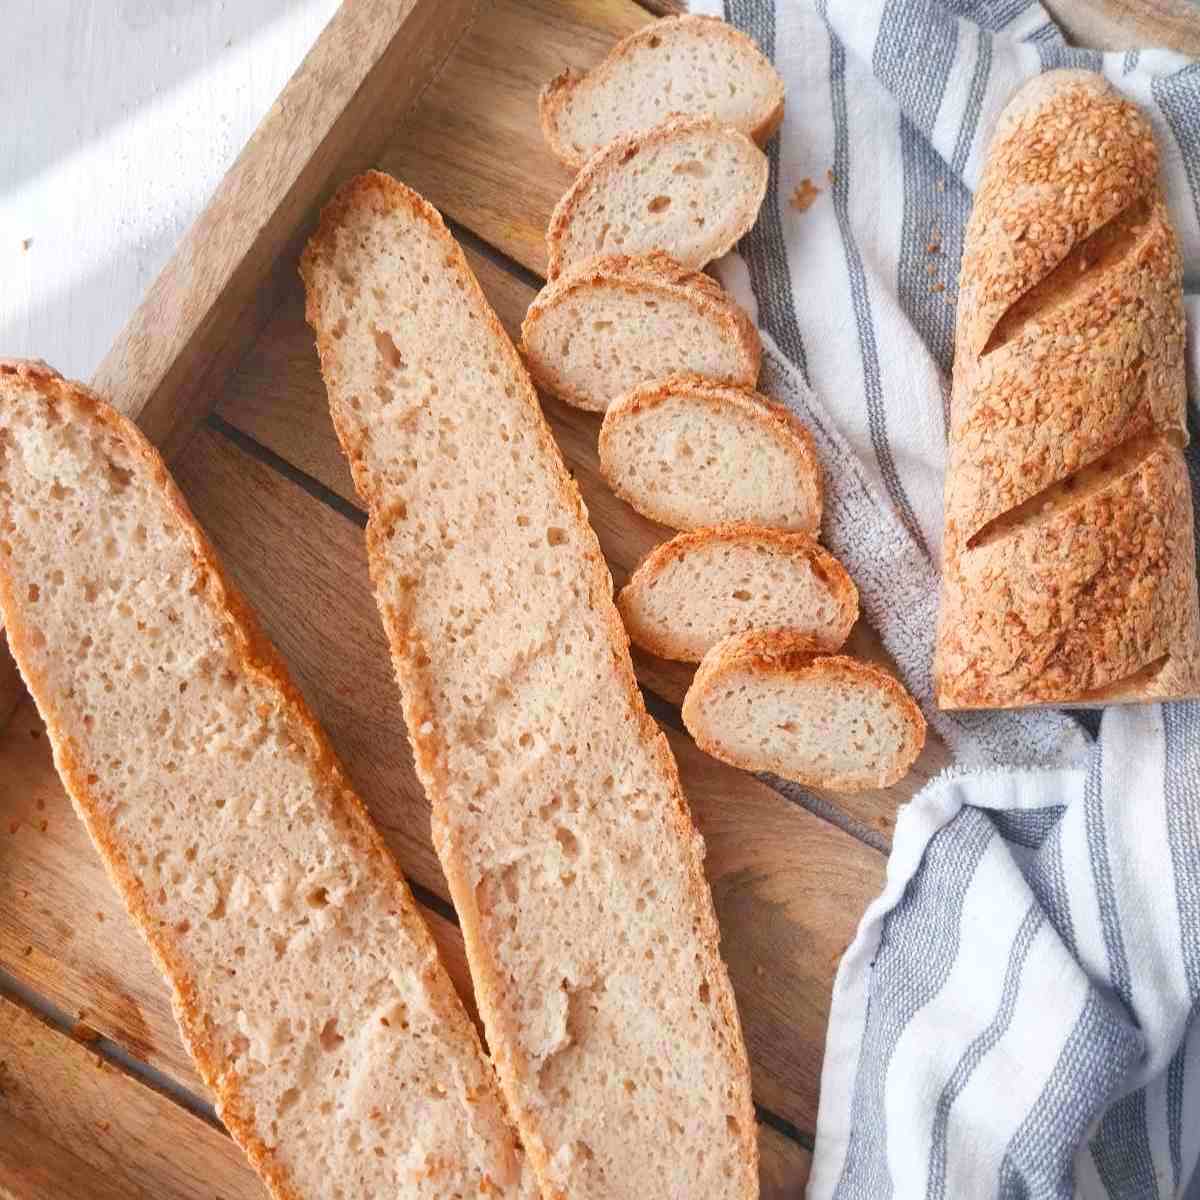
(97, 1096)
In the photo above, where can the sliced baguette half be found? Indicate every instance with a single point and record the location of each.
(689, 188)
(305, 982)
(557, 810)
(688, 65)
(615, 323)
(700, 587)
(689, 453)
(772, 701)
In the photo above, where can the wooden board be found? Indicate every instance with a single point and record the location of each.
(265, 478)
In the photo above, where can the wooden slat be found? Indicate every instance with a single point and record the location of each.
(1121, 24)
(74, 1113)
(276, 396)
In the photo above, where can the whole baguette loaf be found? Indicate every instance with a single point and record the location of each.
(611, 324)
(689, 593)
(557, 810)
(305, 982)
(1069, 557)
(679, 66)
(687, 187)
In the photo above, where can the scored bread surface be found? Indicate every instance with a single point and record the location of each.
(1069, 559)
(612, 324)
(689, 453)
(689, 188)
(689, 65)
(557, 810)
(700, 587)
(305, 982)
(771, 700)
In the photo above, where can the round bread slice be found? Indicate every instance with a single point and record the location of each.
(690, 188)
(688, 453)
(689, 65)
(700, 587)
(613, 323)
(771, 701)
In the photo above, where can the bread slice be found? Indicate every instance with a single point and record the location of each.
(306, 985)
(700, 587)
(681, 66)
(771, 701)
(689, 188)
(557, 811)
(615, 323)
(688, 453)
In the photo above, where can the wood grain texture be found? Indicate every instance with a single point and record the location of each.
(11, 687)
(1123, 24)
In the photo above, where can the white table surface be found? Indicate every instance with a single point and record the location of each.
(117, 120)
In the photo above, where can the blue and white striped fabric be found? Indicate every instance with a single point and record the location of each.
(1013, 1016)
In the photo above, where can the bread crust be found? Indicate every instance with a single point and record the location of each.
(259, 660)
(774, 421)
(637, 275)
(1068, 569)
(784, 542)
(783, 652)
(381, 192)
(569, 84)
(612, 157)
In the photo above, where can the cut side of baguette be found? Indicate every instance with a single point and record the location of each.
(700, 587)
(557, 810)
(771, 701)
(689, 65)
(616, 323)
(689, 188)
(305, 982)
(689, 453)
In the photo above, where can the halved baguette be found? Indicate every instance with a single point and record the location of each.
(689, 65)
(689, 453)
(614, 323)
(557, 811)
(306, 985)
(772, 701)
(689, 188)
(700, 587)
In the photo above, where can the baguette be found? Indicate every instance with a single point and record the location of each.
(688, 453)
(614, 323)
(687, 187)
(700, 587)
(1069, 557)
(770, 700)
(557, 810)
(306, 985)
(680, 66)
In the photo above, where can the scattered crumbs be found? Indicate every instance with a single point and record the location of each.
(27, 952)
(940, 185)
(804, 195)
(933, 247)
(44, 826)
(930, 268)
(84, 1033)
(35, 734)
(99, 916)
(830, 176)
(41, 804)
(937, 287)
(13, 826)
(104, 1126)
(759, 969)
(26, 243)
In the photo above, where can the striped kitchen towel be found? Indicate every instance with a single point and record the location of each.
(1014, 1017)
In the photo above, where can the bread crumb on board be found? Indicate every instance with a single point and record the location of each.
(804, 195)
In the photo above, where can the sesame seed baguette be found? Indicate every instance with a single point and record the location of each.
(557, 810)
(688, 65)
(306, 985)
(1069, 558)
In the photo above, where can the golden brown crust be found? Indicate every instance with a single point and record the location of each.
(638, 274)
(611, 159)
(775, 421)
(560, 90)
(487, 973)
(783, 652)
(261, 661)
(1068, 558)
(784, 542)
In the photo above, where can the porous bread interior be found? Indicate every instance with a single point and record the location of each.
(691, 193)
(729, 585)
(689, 66)
(557, 811)
(700, 458)
(597, 340)
(306, 983)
